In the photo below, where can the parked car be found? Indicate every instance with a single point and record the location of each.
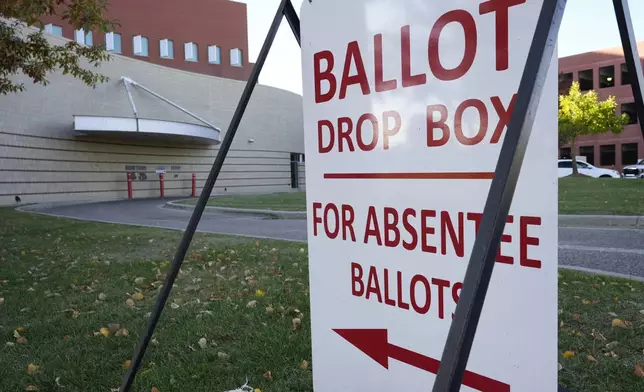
(634, 171)
(565, 169)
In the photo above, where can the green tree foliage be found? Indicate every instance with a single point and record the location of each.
(25, 51)
(584, 114)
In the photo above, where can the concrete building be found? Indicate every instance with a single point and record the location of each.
(605, 72)
(209, 37)
(67, 141)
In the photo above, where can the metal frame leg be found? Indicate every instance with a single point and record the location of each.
(479, 270)
(631, 53)
(285, 7)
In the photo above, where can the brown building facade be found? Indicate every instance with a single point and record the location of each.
(203, 36)
(605, 72)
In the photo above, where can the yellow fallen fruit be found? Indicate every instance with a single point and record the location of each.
(105, 332)
(259, 293)
(137, 296)
(126, 364)
(304, 365)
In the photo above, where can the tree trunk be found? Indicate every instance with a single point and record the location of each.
(573, 153)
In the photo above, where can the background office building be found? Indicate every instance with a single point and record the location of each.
(605, 72)
(177, 71)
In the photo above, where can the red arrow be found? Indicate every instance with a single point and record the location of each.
(373, 342)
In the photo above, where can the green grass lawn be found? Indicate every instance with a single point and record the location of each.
(578, 195)
(62, 281)
(295, 201)
(582, 195)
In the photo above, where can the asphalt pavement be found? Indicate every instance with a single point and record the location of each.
(613, 250)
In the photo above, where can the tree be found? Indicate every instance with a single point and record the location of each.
(583, 114)
(23, 50)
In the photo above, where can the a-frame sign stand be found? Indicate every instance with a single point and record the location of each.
(482, 261)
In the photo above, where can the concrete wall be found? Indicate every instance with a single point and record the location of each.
(43, 159)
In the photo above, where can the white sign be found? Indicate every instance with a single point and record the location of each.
(406, 105)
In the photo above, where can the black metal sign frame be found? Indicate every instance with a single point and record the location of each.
(481, 264)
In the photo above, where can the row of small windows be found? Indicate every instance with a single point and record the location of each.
(141, 46)
(606, 77)
(607, 154)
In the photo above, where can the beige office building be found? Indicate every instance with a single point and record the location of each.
(67, 141)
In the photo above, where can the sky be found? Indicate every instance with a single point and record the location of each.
(587, 25)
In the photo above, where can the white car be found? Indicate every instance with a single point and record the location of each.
(634, 171)
(586, 169)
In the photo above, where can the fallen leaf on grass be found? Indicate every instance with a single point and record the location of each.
(1, 300)
(612, 354)
(58, 382)
(251, 304)
(114, 326)
(19, 330)
(269, 310)
(612, 314)
(32, 388)
(102, 297)
(296, 323)
(222, 355)
(596, 301)
(268, 375)
(621, 323)
(203, 343)
(612, 345)
(568, 354)
(21, 340)
(304, 364)
(138, 296)
(126, 364)
(130, 303)
(559, 367)
(586, 302)
(122, 332)
(10, 344)
(576, 316)
(174, 305)
(639, 370)
(591, 358)
(32, 369)
(598, 335)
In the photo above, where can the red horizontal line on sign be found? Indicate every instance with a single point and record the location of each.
(412, 176)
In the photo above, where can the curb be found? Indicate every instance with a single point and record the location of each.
(176, 205)
(633, 222)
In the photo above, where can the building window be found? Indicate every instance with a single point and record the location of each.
(214, 54)
(626, 76)
(586, 80)
(629, 109)
(589, 153)
(565, 153)
(113, 42)
(629, 154)
(53, 29)
(565, 81)
(607, 155)
(140, 45)
(82, 38)
(607, 76)
(191, 51)
(166, 49)
(236, 57)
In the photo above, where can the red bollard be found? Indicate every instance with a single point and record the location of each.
(194, 185)
(161, 185)
(129, 186)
